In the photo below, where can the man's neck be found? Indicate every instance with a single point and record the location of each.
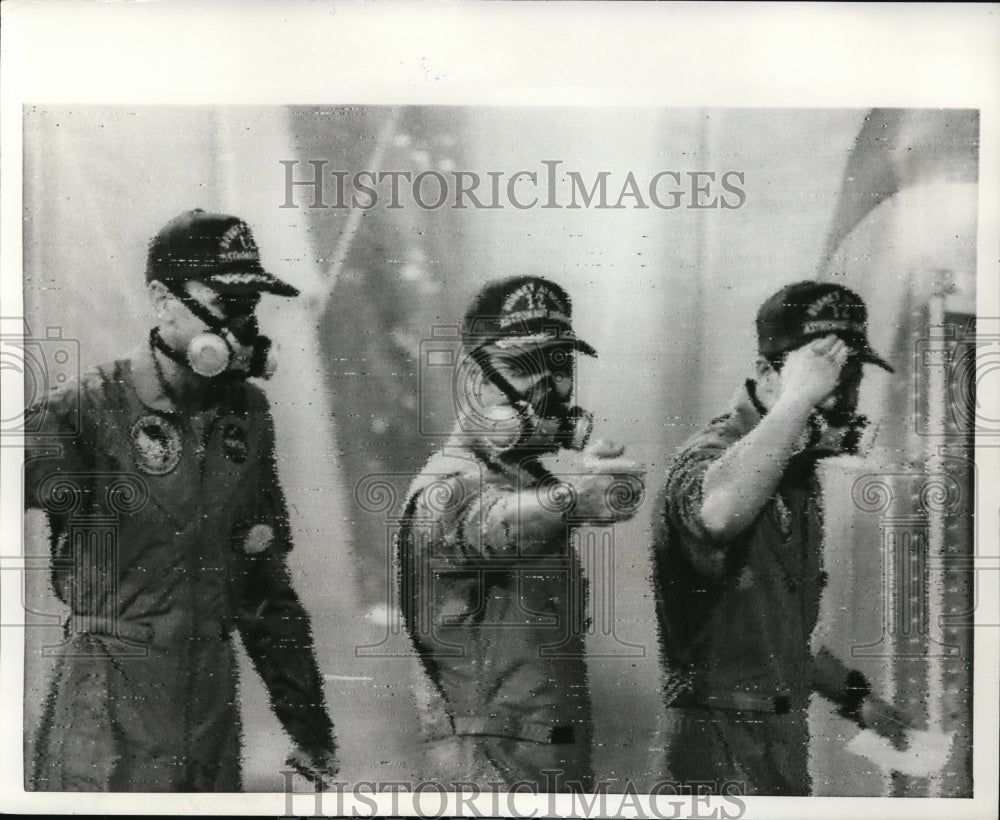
(183, 387)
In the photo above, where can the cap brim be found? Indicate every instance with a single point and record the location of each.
(864, 350)
(871, 357)
(242, 283)
(544, 340)
(866, 354)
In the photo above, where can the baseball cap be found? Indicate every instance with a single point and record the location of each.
(807, 310)
(522, 310)
(217, 249)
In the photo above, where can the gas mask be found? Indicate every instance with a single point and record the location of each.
(562, 425)
(232, 346)
(850, 435)
(570, 429)
(836, 428)
(821, 440)
(837, 432)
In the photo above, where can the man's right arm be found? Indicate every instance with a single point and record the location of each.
(478, 518)
(56, 444)
(738, 485)
(59, 458)
(470, 519)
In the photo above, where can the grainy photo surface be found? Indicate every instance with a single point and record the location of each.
(668, 247)
(439, 457)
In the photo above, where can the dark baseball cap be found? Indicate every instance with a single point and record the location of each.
(808, 310)
(217, 249)
(522, 311)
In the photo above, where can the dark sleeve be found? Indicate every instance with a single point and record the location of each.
(55, 442)
(277, 634)
(833, 680)
(275, 627)
(271, 507)
(60, 446)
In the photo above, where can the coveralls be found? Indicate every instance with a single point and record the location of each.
(495, 613)
(736, 619)
(144, 695)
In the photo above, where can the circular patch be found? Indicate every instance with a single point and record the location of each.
(258, 539)
(156, 444)
(234, 443)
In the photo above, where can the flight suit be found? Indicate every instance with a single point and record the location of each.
(144, 695)
(495, 613)
(736, 620)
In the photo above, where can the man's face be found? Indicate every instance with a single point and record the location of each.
(837, 408)
(840, 405)
(182, 325)
(231, 309)
(543, 376)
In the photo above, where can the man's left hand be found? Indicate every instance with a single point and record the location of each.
(886, 720)
(318, 768)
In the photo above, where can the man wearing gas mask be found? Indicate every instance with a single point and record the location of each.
(738, 555)
(177, 448)
(490, 582)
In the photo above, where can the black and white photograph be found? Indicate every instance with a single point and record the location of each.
(499, 453)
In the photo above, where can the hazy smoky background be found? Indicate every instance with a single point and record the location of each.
(666, 296)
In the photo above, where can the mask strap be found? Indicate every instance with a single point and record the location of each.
(197, 308)
(751, 386)
(482, 359)
(525, 413)
(156, 342)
